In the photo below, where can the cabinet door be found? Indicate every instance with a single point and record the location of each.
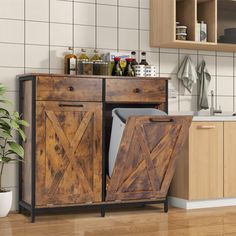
(229, 159)
(206, 160)
(68, 153)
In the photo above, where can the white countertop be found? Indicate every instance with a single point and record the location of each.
(203, 117)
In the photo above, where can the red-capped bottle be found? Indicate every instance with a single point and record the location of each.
(117, 71)
(129, 71)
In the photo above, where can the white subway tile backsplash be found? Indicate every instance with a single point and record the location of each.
(226, 103)
(61, 35)
(84, 36)
(108, 2)
(144, 41)
(12, 31)
(61, 11)
(107, 16)
(225, 66)
(210, 63)
(144, 19)
(57, 55)
(173, 105)
(37, 10)
(169, 63)
(8, 77)
(12, 55)
(128, 18)
(188, 103)
(145, 3)
(81, 13)
(128, 39)
(225, 86)
(37, 56)
(13, 9)
(107, 38)
(128, 3)
(37, 33)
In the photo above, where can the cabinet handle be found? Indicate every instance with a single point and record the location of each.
(71, 105)
(168, 120)
(71, 88)
(137, 90)
(206, 127)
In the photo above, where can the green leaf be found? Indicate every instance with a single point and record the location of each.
(22, 134)
(5, 101)
(23, 123)
(14, 124)
(6, 135)
(16, 114)
(6, 159)
(16, 148)
(4, 111)
(2, 89)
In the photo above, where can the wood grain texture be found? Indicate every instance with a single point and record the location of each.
(26, 165)
(136, 91)
(147, 157)
(69, 153)
(68, 89)
(229, 159)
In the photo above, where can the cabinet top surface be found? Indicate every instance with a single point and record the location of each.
(87, 76)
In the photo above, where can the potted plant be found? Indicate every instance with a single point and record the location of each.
(10, 149)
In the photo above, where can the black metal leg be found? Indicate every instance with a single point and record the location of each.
(166, 205)
(32, 215)
(103, 211)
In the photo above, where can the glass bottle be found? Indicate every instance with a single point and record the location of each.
(143, 59)
(129, 71)
(134, 61)
(96, 56)
(117, 71)
(83, 56)
(70, 63)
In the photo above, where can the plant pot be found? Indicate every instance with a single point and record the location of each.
(5, 203)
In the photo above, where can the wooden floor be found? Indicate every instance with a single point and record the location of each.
(148, 221)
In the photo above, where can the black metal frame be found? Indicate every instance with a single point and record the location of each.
(31, 208)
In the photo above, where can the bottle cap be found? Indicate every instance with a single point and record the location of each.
(70, 48)
(143, 53)
(83, 50)
(116, 58)
(133, 53)
(129, 59)
(96, 51)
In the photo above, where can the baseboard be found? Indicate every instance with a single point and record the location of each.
(186, 204)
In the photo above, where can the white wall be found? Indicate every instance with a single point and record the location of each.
(35, 35)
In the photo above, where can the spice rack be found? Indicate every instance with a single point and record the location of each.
(165, 14)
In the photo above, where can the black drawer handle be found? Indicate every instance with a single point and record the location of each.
(162, 120)
(71, 88)
(71, 105)
(137, 90)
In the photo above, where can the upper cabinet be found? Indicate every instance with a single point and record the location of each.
(218, 17)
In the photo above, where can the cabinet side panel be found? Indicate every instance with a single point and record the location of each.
(162, 22)
(229, 159)
(180, 183)
(26, 165)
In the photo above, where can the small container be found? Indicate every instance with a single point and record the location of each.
(150, 71)
(100, 68)
(139, 70)
(85, 68)
(181, 29)
(181, 36)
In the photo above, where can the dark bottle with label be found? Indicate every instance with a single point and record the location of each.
(129, 71)
(70, 63)
(134, 61)
(117, 71)
(143, 59)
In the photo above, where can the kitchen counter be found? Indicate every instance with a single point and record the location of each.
(214, 118)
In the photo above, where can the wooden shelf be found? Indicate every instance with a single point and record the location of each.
(165, 13)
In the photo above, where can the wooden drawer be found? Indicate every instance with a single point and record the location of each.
(144, 91)
(68, 89)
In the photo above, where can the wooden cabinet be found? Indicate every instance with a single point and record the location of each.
(229, 159)
(68, 153)
(199, 173)
(67, 144)
(165, 14)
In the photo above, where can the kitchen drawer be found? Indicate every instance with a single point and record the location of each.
(133, 90)
(68, 89)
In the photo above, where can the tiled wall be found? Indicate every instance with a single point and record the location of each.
(35, 35)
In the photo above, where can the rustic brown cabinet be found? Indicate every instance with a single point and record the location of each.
(66, 156)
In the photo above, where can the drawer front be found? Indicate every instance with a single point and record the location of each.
(144, 91)
(68, 89)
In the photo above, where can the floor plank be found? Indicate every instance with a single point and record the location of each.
(147, 221)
